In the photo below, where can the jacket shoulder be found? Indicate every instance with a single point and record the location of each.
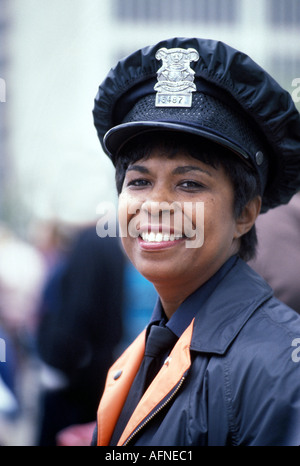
(262, 372)
(274, 324)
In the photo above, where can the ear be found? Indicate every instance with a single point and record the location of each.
(246, 220)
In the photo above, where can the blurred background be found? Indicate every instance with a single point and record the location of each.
(53, 175)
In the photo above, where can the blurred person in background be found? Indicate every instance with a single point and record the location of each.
(278, 253)
(22, 274)
(81, 329)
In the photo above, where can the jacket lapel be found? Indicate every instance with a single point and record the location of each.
(238, 295)
(166, 380)
(121, 376)
(118, 382)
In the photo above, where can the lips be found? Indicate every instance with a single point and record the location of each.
(153, 237)
(156, 237)
(157, 233)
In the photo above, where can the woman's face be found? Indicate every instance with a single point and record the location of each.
(176, 219)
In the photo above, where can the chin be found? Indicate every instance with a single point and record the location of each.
(161, 275)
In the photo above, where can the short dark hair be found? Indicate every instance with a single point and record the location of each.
(244, 179)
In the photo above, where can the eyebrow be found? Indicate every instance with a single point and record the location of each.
(177, 171)
(188, 168)
(138, 168)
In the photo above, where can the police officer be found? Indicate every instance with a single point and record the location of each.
(203, 141)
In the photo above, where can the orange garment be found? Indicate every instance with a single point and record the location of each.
(121, 376)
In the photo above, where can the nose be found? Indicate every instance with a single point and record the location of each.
(159, 201)
(155, 208)
(163, 212)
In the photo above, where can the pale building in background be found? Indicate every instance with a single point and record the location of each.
(60, 50)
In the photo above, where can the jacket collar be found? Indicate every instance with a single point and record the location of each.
(186, 312)
(236, 297)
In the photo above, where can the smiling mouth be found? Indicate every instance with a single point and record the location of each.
(160, 237)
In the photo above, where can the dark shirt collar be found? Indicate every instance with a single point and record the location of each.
(185, 313)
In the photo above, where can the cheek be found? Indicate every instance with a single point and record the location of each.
(124, 221)
(126, 246)
(129, 213)
(218, 217)
(123, 215)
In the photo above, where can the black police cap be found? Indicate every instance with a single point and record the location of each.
(207, 88)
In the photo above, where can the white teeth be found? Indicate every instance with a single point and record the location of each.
(158, 237)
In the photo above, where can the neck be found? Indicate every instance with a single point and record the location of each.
(173, 293)
(172, 297)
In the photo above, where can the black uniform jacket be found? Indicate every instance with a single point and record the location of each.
(232, 378)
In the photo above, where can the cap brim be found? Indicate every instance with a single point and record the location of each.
(119, 135)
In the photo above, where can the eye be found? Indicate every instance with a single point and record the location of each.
(138, 183)
(191, 185)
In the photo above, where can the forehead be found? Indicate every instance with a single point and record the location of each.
(163, 157)
(162, 163)
(170, 145)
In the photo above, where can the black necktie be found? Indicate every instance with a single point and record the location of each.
(159, 343)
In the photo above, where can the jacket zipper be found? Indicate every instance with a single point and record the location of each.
(145, 422)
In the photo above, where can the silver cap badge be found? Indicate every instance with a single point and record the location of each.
(175, 78)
